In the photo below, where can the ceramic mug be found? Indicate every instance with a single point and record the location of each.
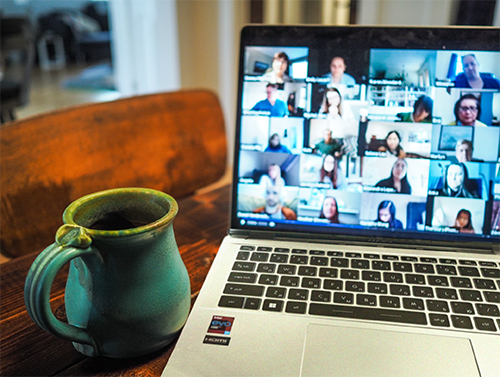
(128, 290)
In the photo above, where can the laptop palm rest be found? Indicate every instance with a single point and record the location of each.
(344, 351)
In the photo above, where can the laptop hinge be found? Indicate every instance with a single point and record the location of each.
(496, 248)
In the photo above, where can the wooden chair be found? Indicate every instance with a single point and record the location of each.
(174, 142)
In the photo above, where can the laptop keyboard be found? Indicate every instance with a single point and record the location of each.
(437, 292)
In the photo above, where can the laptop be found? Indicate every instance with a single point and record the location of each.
(364, 231)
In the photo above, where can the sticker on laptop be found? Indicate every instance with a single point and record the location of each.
(221, 325)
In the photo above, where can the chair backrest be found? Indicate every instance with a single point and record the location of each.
(174, 142)
(17, 36)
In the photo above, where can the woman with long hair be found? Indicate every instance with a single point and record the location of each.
(456, 182)
(398, 179)
(463, 222)
(329, 171)
(392, 145)
(330, 210)
(387, 214)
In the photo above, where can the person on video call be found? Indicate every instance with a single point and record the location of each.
(333, 106)
(457, 183)
(273, 177)
(275, 145)
(467, 111)
(278, 73)
(274, 207)
(463, 222)
(330, 172)
(387, 214)
(398, 179)
(464, 150)
(472, 78)
(392, 145)
(277, 107)
(328, 145)
(337, 73)
(330, 210)
(422, 111)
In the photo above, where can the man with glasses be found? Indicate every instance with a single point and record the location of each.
(467, 111)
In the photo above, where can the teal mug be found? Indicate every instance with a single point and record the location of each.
(128, 291)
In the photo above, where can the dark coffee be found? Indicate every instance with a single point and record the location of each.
(116, 221)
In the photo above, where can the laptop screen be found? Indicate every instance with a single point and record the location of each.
(369, 131)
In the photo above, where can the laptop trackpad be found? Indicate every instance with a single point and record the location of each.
(346, 351)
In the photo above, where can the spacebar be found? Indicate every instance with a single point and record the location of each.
(374, 314)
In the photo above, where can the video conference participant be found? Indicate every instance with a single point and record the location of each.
(276, 146)
(464, 150)
(398, 179)
(272, 103)
(463, 222)
(392, 145)
(273, 177)
(467, 111)
(422, 111)
(278, 73)
(274, 207)
(333, 106)
(472, 78)
(328, 145)
(337, 73)
(330, 172)
(387, 214)
(330, 210)
(456, 182)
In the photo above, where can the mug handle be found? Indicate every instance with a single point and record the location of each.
(71, 242)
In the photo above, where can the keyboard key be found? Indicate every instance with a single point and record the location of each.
(484, 324)
(342, 298)
(409, 259)
(381, 265)
(276, 292)
(423, 292)
(264, 248)
(399, 290)
(242, 277)
(413, 303)
(484, 284)
(468, 262)
(492, 297)
(353, 255)
(488, 310)
(362, 312)
(360, 263)
(299, 251)
(317, 252)
(428, 260)
(272, 305)
(279, 258)
(328, 272)
(493, 273)
(339, 262)
(299, 259)
(289, 281)
(252, 303)
(459, 282)
(286, 269)
(321, 296)
(307, 271)
(319, 261)
(349, 274)
(311, 283)
(371, 276)
(335, 253)
(242, 255)
(266, 268)
(468, 271)
(415, 279)
(488, 264)
(354, 286)
(439, 320)
(390, 302)
(437, 280)
(366, 300)
(379, 288)
(296, 307)
(244, 290)
(244, 266)
(247, 248)
(437, 306)
(267, 279)
(259, 257)
(393, 277)
(424, 268)
(462, 307)
(447, 261)
(402, 266)
(390, 257)
(446, 270)
(231, 302)
(470, 295)
(281, 250)
(371, 256)
(447, 293)
(461, 322)
(298, 294)
(335, 285)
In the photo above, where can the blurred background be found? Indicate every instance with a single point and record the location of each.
(57, 53)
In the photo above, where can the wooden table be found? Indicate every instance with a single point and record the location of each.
(27, 350)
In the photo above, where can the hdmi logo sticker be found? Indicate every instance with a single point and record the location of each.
(218, 340)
